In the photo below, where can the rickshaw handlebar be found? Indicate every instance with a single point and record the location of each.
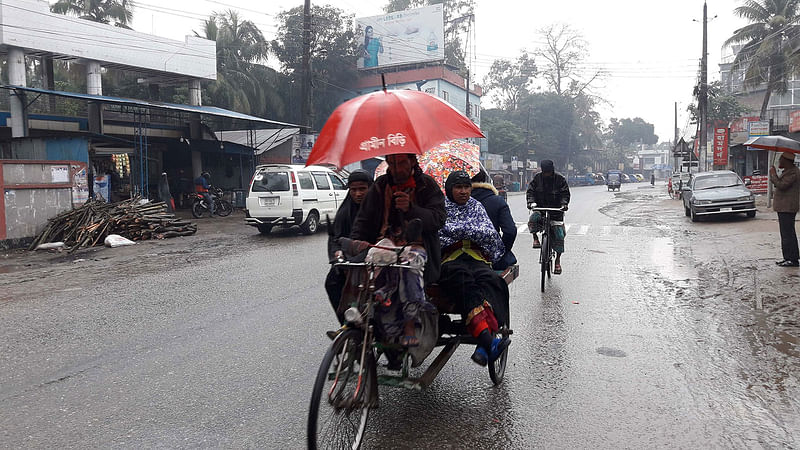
(535, 208)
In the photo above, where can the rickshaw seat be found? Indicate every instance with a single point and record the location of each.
(443, 304)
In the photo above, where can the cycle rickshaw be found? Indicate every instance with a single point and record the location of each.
(346, 387)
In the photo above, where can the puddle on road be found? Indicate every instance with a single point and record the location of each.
(614, 352)
(662, 256)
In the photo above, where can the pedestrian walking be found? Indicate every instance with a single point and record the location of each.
(786, 203)
(652, 179)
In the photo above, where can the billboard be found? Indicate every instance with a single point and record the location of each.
(301, 147)
(403, 37)
(759, 128)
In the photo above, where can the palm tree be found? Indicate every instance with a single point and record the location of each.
(116, 12)
(243, 82)
(765, 58)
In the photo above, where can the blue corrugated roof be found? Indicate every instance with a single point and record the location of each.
(207, 110)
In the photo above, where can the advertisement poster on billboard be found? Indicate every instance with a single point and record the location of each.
(403, 37)
(794, 121)
(721, 146)
(758, 128)
(301, 147)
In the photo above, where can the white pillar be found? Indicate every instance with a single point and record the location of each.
(94, 79)
(195, 99)
(16, 77)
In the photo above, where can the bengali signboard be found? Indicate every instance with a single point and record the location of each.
(794, 121)
(758, 183)
(403, 37)
(758, 128)
(720, 146)
(739, 130)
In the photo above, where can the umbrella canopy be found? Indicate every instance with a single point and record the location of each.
(444, 159)
(774, 143)
(388, 122)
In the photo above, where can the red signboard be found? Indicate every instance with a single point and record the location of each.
(721, 146)
(758, 183)
(794, 121)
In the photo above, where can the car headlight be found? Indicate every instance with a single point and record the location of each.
(702, 202)
(746, 198)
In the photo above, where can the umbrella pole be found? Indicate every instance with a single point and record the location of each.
(771, 164)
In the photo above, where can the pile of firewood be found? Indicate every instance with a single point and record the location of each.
(89, 224)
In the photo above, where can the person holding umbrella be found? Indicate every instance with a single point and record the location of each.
(786, 204)
(402, 194)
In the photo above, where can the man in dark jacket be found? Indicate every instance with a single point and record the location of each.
(403, 194)
(358, 183)
(548, 189)
(500, 215)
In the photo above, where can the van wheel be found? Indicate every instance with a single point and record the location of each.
(311, 224)
(264, 228)
(751, 214)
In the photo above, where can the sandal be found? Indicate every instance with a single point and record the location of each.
(499, 345)
(409, 341)
(789, 264)
(557, 269)
(537, 244)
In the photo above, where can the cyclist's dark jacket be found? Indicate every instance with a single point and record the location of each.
(549, 193)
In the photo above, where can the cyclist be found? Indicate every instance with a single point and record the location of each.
(548, 189)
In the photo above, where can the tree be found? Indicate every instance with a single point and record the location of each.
(505, 136)
(243, 83)
(722, 106)
(116, 12)
(457, 16)
(564, 51)
(625, 133)
(333, 57)
(764, 58)
(508, 81)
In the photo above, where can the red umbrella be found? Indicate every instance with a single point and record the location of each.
(388, 122)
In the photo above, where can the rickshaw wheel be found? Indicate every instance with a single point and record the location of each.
(342, 396)
(497, 369)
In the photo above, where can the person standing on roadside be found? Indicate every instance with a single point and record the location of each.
(786, 204)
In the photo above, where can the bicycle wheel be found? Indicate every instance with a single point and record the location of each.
(342, 397)
(545, 257)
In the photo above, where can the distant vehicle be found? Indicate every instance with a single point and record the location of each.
(613, 181)
(291, 194)
(599, 178)
(678, 183)
(632, 177)
(581, 180)
(717, 192)
(639, 177)
(624, 178)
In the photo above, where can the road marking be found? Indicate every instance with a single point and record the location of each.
(522, 228)
(582, 230)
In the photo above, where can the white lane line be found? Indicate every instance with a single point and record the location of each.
(581, 231)
(567, 227)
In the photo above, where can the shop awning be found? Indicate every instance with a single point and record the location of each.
(212, 111)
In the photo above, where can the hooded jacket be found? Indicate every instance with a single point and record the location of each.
(500, 215)
(428, 206)
(547, 195)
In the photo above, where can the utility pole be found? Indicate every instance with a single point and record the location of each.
(704, 92)
(675, 139)
(469, 116)
(305, 102)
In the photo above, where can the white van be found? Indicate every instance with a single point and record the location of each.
(289, 194)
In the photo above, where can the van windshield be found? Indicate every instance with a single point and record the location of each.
(266, 181)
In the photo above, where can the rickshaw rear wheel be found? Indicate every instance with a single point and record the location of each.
(342, 395)
(497, 369)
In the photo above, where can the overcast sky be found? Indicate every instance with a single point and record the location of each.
(649, 49)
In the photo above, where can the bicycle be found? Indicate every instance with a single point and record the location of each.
(547, 253)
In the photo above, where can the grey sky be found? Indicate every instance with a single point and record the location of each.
(649, 49)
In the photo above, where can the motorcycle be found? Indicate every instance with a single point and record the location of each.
(222, 207)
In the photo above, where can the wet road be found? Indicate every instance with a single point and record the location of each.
(654, 336)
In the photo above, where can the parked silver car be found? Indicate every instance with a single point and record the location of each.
(717, 192)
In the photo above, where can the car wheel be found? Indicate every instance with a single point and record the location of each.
(311, 224)
(751, 214)
(693, 215)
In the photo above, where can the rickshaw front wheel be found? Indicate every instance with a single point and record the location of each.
(343, 395)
